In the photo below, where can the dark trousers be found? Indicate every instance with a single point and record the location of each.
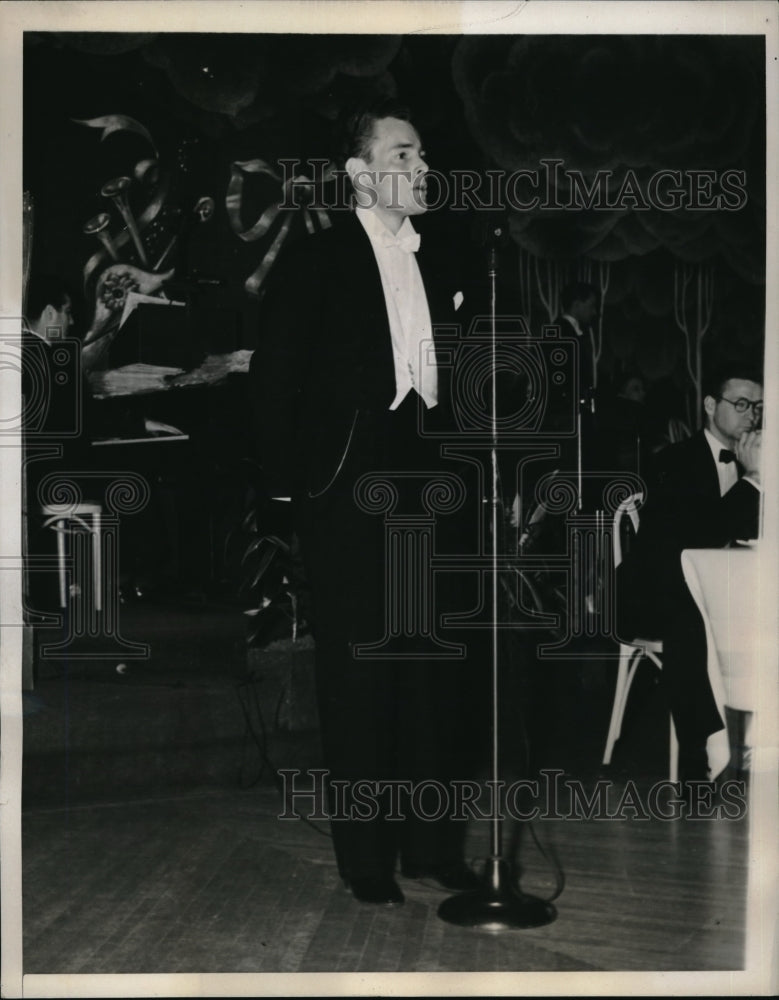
(672, 615)
(685, 673)
(399, 716)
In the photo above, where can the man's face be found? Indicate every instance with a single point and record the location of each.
(392, 180)
(57, 322)
(722, 417)
(587, 309)
(634, 390)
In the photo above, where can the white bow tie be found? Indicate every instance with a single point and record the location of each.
(409, 244)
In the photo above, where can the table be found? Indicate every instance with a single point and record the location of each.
(724, 584)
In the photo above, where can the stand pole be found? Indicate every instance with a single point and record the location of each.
(496, 905)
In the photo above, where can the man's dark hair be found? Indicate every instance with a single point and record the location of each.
(578, 291)
(714, 382)
(44, 290)
(355, 129)
(622, 379)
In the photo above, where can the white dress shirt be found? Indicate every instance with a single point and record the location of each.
(409, 316)
(590, 374)
(574, 323)
(726, 471)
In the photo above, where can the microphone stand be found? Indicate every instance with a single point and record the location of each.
(496, 905)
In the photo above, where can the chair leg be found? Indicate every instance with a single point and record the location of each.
(628, 661)
(673, 766)
(59, 528)
(615, 722)
(746, 750)
(97, 561)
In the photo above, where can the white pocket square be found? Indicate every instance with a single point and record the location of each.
(458, 300)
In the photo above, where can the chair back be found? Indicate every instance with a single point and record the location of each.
(629, 508)
(677, 430)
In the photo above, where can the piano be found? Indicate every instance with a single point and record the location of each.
(188, 435)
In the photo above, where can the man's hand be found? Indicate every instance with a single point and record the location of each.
(748, 453)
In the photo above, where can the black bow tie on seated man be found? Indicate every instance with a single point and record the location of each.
(726, 456)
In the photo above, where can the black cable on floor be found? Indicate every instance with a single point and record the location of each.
(258, 732)
(251, 731)
(548, 854)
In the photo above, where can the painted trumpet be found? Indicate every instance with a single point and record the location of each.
(98, 226)
(116, 190)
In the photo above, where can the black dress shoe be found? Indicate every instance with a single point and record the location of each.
(456, 876)
(693, 763)
(380, 891)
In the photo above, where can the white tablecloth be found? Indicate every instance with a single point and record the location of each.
(724, 584)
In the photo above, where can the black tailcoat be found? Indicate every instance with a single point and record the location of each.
(683, 510)
(324, 378)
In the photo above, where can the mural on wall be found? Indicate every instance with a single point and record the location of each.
(142, 226)
(138, 225)
(298, 195)
(643, 172)
(640, 160)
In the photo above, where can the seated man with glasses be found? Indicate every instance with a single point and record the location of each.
(705, 493)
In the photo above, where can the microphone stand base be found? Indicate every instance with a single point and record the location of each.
(496, 905)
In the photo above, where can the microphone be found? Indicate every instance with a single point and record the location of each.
(491, 231)
(492, 252)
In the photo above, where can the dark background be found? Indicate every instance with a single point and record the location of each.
(481, 102)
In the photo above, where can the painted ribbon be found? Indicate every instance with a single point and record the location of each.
(233, 204)
(117, 123)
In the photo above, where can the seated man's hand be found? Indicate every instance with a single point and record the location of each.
(748, 453)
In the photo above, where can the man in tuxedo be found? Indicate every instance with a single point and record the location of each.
(344, 379)
(580, 303)
(54, 444)
(626, 433)
(49, 309)
(705, 494)
(52, 387)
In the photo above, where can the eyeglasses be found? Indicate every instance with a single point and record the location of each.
(741, 405)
